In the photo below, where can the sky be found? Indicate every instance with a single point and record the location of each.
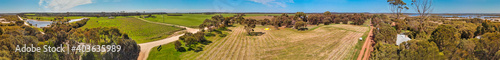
(290, 6)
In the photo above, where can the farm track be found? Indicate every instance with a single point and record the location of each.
(366, 50)
(146, 47)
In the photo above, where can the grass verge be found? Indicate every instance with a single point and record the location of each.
(138, 30)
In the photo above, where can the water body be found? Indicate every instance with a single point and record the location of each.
(463, 16)
(39, 24)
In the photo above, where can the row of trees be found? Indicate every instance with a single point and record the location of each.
(194, 42)
(301, 20)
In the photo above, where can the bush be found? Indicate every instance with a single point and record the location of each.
(327, 21)
(209, 34)
(419, 49)
(178, 46)
(384, 51)
(445, 36)
(194, 41)
(1, 31)
(222, 35)
(385, 33)
(345, 21)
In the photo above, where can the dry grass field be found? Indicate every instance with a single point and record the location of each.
(325, 42)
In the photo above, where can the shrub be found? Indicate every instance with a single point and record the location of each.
(384, 33)
(327, 21)
(222, 35)
(178, 46)
(209, 34)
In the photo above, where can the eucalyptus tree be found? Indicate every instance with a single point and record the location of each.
(397, 6)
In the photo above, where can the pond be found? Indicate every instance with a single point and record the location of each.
(39, 24)
(463, 16)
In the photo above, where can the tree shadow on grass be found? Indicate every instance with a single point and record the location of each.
(256, 33)
(303, 29)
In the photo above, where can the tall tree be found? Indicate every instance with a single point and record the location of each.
(419, 49)
(250, 24)
(384, 33)
(423, 7)
(446, 37)
(327, 21)
(264, 22)
(239, 18)
(397, 6)
(299, 24)
(327, 13)
(178, 46)
(300, 15)
(384, 51)
(487, 48)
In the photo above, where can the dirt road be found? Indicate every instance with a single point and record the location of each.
(367, 48)
(146, 47)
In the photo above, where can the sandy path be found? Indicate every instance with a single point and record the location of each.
(366, 46)
(146, 47)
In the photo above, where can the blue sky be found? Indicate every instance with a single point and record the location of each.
(308, 6)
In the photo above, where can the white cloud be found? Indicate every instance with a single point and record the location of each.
(274, 3)
(112, 0)
(59, 5)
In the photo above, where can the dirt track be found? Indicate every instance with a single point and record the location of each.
(146, 47)
(367, 48)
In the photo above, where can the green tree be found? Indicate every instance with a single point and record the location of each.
(397, 6)
(445, 37)
(249, 25)
(89, 56)
(419, 49)
(485, 27)
(1, 31)
(385, 33)
(400, 25)
(239, 18)
(301, 15)
(384, 51)
(178, 46)
(299, 24)
(277, 22)
(345, 21)
(337, 20)
(488, 46)
(315, 19)
(19, 23)
(327, 21)
(327, 13)
(264, 22)
(465, 49)
(284, 14)
(423, 7)
(195, 41)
